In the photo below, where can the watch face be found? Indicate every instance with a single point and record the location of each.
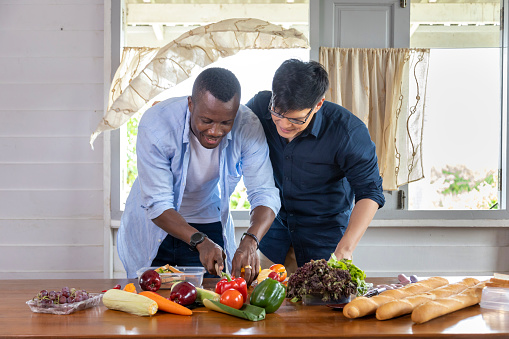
(197, 238)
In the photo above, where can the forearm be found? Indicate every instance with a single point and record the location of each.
(174, 224)
(260, 222)
(362, 215)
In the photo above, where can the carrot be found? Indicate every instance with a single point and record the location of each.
(130, 288)
(166, 305)
(173, 269)
(167, 269)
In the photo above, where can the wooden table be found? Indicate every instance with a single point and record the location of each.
(292, 320)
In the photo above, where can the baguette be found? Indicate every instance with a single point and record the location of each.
(362, 306)
(399, 307)
(436, 308)
(494, 282)
(501, 276)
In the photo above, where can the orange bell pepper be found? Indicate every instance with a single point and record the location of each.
(280, 270)
(130, 288)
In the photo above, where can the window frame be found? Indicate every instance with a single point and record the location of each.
(117, 11)
(481, 218)
(385, 217)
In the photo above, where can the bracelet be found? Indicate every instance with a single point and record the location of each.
(252, 236)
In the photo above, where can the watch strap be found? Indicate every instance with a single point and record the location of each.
(196, 239)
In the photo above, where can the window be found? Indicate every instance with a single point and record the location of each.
(462, 128)
(468, 39)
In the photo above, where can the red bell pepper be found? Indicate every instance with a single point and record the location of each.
(227, 282)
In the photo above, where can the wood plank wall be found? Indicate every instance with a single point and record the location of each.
(423, 251)
(51, 99)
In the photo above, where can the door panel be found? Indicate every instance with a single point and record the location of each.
(362, 26)
(358, 24)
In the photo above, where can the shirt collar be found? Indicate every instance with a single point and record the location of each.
(316, 124)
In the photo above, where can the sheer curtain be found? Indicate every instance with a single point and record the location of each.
(385, 88)
(146, 72)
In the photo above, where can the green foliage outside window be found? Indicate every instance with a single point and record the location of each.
(460, 184)
(132, 133)
(238, 200)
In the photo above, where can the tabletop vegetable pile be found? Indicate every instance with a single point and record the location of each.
(331, 279)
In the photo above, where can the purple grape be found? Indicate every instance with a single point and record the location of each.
(65, 292)
(64, 296)
(52, 295)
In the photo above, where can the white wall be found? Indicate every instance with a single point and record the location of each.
(51, 98)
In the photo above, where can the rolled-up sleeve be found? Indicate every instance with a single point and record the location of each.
(359, 162)
(256, 166)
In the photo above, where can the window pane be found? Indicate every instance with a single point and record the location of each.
(461, 135)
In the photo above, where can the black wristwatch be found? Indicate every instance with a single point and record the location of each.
(196, 239)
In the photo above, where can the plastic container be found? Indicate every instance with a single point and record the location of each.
(495, 298)
(316, 299)
(68, 308)
(194, 275)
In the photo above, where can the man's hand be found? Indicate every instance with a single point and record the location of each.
(340, 254)
(211, 255)
(246, 257)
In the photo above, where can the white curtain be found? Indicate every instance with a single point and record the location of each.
(385, 88)
(146, 72)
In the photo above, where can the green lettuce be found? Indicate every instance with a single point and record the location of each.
(358, 275)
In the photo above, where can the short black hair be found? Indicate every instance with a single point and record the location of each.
(220, 82)
(298, 85)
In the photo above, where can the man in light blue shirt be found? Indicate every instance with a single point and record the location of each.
(192, 152)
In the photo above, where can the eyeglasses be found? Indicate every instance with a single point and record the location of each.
(292, 120)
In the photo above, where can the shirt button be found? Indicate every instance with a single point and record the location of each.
(159, 240)
(286, 178)
(287, 157)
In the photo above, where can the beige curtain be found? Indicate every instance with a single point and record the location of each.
(385, 88)
(146, 72)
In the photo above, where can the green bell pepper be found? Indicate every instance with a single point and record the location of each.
(269, 294)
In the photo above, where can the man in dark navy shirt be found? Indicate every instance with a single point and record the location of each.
(325, 167)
